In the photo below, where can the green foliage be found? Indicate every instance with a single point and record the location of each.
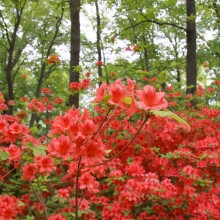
(3, 155)
(166, 112)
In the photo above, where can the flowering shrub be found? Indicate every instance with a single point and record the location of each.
(53, 60)
(128, 159)
(99, 63)
(77, 86)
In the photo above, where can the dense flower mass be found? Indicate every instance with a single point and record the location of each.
(131, 97)
(8, 207)
(127, 159)
(61, 147)
(77, 86)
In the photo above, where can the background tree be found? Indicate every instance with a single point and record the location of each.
(191, 68)
(48, 37)
(98, 41)
(13, 42)
(74, 48)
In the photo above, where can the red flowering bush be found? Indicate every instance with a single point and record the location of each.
(78, 86)
(99, 63)
(53, 59)
(130, 158)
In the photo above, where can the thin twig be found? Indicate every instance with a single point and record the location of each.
(77, 189)
(40, 198)
(8, 173)
(116, 155)
(103, 121)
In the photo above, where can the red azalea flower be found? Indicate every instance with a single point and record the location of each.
(93, 152)
(86, 180)
(61, 147)
(88, 74)
(29, 171)
(58, 100)
(75, 86)
(136, 48)
(8, 207)
(63, 193)
(112, 73)
(36, 105)
(46, 91)
(11, 102)
(24, 99)
(128, 48)
(53, 59)
(154, 79)
(150, 99)
(85, 84)
(56, 217)
(14, 151)
(44, 164)
(99, 63)
(117, 92)
(100, 93)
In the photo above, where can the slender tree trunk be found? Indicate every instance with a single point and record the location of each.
(191, 70)
(98, 42)
(178, 79)
(12, 59)
(146, 55)
(74, 48)
(43, 72)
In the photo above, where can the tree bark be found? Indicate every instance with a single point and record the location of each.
(98, 41)
(191, 70)
(146, 55)
(12, 59)
(74, 48)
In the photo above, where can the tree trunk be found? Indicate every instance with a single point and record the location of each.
(146, 55)
(12, 59)
(191, 70)
(74, 48)
(98, 42)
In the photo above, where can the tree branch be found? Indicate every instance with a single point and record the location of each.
(147, 20)
(5, 26)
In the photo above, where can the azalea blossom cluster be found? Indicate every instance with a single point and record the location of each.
(46, 103)
(77, 86)
(53, 60)
(76, 138)
(125, 160)
(130, 98)
(3, 106)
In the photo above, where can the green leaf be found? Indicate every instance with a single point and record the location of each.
(166, 112)
(4, 155)
(77, 69)
(34, 130)
(203, 182)
(169, 155)
(29, 217)
(20, 203)
(156, 149)
(127, 100)
(126, 213)
(106, 98)
(130, 160)
(160, 113)
(29, 145)
(107, 152)
(39, 150)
